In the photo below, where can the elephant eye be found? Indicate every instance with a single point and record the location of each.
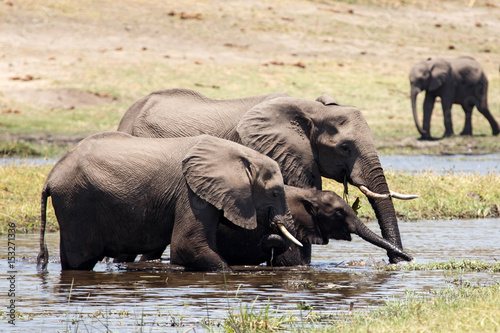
(345, 148)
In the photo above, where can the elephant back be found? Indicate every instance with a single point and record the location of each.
(183, 112)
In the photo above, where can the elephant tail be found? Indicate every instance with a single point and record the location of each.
(414, 92)
(43, 256)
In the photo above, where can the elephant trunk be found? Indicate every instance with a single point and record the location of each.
(364, 232)
(383, 206)
(414, 92)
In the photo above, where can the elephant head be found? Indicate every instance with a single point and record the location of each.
(246, 185)
(320, 216)
(429, 75)
(311, 139)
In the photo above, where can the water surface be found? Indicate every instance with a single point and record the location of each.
(482, 164)
(163, 298)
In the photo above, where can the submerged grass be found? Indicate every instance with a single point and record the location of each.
(462, 307)
(452, 264)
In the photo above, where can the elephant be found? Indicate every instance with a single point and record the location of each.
(114, 194)
(308, 139)
(318, 217)
(456, 81)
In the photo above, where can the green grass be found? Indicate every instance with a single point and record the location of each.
(464, 309)
(20, 191)
(246, 318)
(452, 264)
(442, 197)
(450, 196)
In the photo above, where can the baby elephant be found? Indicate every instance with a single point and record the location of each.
(114, 194)
(456, 81)
(318, 217)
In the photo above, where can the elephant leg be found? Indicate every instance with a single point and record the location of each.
(152, 255)
(483, 109)
(194, 240)
(76, 260)
(468, 119)
(125, 258)
(428, 107)
(448, 124)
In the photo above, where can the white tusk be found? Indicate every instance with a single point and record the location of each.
(371, 194)
(403, 196)
(289, 236)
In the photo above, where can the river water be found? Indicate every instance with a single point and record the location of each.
(411, 163)
(165, 298)
(157, 297)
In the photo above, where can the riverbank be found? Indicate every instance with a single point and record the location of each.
(442, 196)
(73, 73)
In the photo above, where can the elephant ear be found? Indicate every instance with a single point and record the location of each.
(308, 227)
(283, 130)
(440, 72)
(218, 171)
(327, 100)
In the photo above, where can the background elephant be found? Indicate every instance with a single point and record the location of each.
(114, 194)
(318, 217)
(308, 139)
(456, 81)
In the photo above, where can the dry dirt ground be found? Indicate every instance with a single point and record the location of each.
(47, 47)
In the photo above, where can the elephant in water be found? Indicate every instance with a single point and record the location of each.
(308, 139)
(456, 81)
(318, 217)
(115, 194)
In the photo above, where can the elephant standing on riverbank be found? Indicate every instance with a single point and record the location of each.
(318, 217)
(308, 139)
(456, 81)
(115, 194)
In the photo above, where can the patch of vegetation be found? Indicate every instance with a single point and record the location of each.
(442, 196)
(20, 190)
(467, 308)
(19, 149)
(452, 264)
(248, 319)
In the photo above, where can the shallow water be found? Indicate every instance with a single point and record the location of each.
(119, 299)
(482, 164)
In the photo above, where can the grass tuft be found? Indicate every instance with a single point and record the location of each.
(452, 264)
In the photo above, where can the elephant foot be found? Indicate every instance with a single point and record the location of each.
(448, 134)
(425, 138)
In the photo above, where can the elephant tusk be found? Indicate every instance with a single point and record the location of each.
(393, 194)
(289, 236)
(403, 196)
(371, 194)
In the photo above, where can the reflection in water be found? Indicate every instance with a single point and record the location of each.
(114, 297)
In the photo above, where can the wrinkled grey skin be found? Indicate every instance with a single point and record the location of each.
(308, 139)
(456, 81)
(318, 217)
(115, 194)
